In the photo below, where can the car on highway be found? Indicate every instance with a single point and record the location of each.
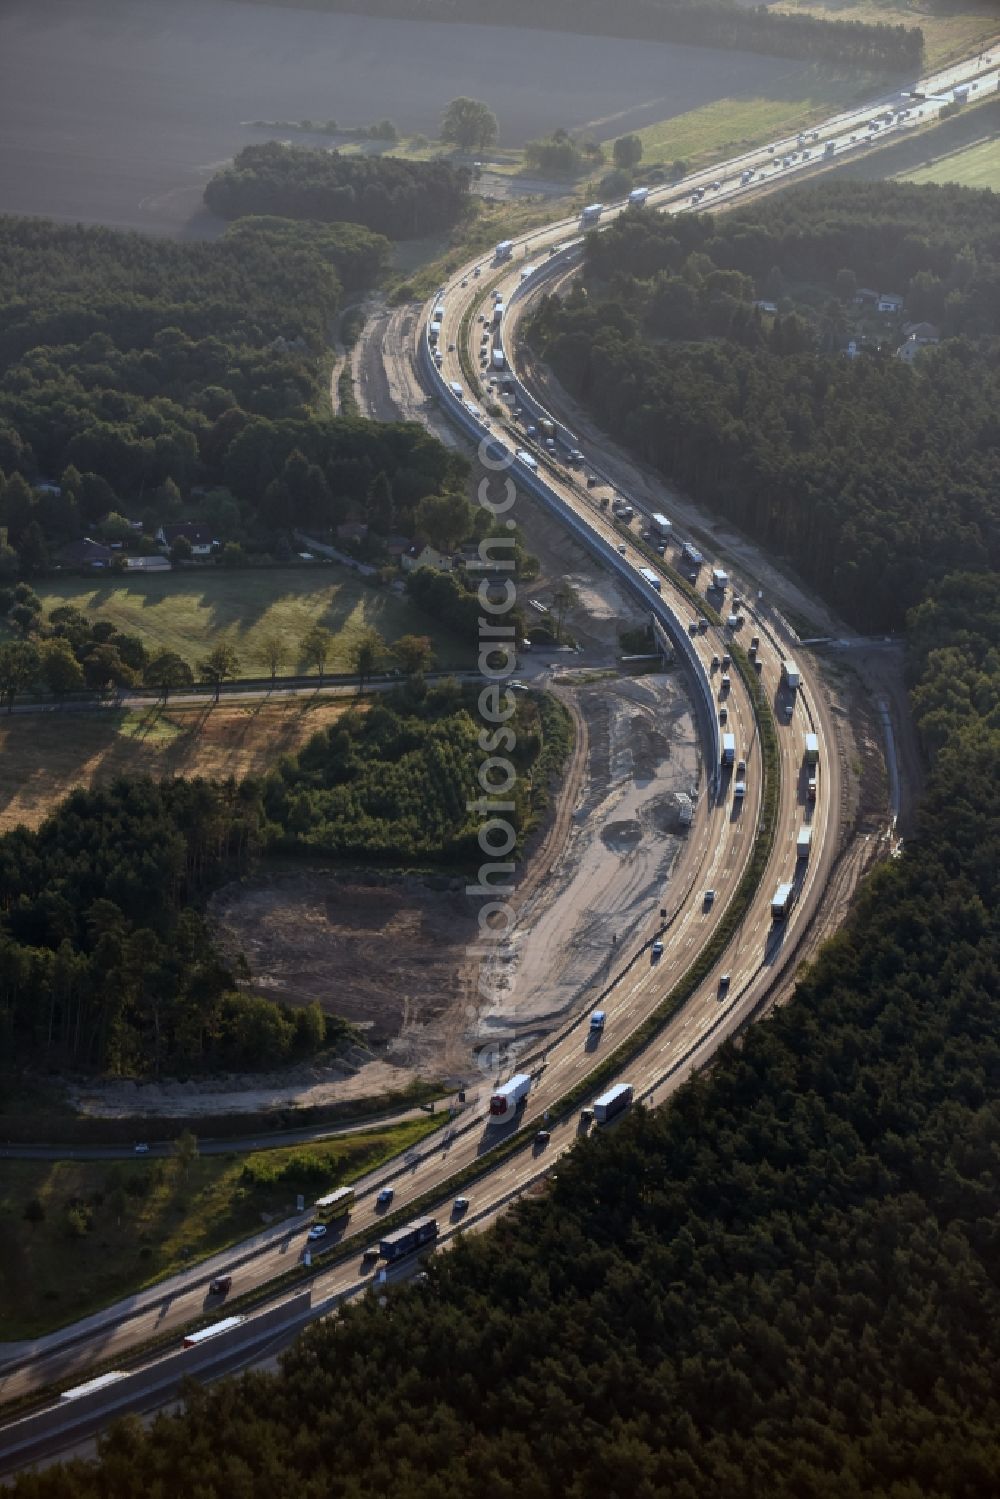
(709, 898)
(543, 1137)
(621, 549)
(723, 715)
(385, 1197)
(716, 186)
(465, 282)
(369, 1255)
(220, 1286)
(723, 984)
(478, 272)
(451, 348)
(142, 1148)
(657, 949)
(318, 1231)
(460, 1205)
(715, 663)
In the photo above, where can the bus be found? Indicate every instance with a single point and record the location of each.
(335, 1205)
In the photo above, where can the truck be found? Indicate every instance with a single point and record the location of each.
(781, 902)
(812, 749)
(497, 314)
(803, 842)
(504, 251)
(660, 525)
(526, 271)
(637, 197)
(546, 426)
(498, 359)
(613, 1102)
(434, 333)
(437, 316)
(829, 148)
(691, 555)
(591, 214)
(455, 389)
(720, 579)
(790, 675)
(507, 1099)
(405, 1240)
(729, 749)
(648, 576)
(622, 510)
(960, 93)
(526, 458)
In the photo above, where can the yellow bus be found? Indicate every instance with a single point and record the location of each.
(336, 1205)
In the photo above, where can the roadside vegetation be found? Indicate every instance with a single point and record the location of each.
(75, 1235)
(950, 30)
(971, 166)
(787, 1272)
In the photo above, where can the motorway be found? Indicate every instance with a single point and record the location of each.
(723, 832)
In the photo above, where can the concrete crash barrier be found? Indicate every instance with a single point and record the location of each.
(94, 1404)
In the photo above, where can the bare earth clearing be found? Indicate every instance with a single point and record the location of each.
(43, 757)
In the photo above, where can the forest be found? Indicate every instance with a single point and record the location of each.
(873, 477)
(785, 1282)
(708, 23)
(401, 199)
(106, 958)
(152, 382)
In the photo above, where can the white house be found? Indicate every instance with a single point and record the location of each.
(422, 554)
(196, 531)
(889, 302)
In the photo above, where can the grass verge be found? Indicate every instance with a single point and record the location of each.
(78, 1234)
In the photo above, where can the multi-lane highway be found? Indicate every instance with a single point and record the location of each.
(722, 834)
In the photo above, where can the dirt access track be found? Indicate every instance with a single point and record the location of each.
(392, 953)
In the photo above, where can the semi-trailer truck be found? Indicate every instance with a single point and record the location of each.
(615, 1101)
(506, 1101)
(812, 749)
(660, 525)
(790, 675)
(781, 904)
(729, 749)
(498, 359)
(637, 197)
(504, 251)
(691, 555)
(591, 214)
(497, 314)
(803, 842)
(648, 576)
(405, 1240)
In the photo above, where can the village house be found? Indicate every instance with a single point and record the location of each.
(422, 554)
(196, 532)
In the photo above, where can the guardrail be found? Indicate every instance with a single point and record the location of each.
(598, 545)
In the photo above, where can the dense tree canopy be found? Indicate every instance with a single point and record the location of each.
(784, 1283)
(873, 476)
(402, 199)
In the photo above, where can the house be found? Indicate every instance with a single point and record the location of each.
(852, 350)
(422, 554)
(196, 532)
(925, 333)
(865, 297)
(398, 546)
(85, 553)
(889, 302)
(913, 346)
(352, 530)
(766, 306)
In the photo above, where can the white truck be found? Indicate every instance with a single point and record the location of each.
(613, 1102)
(637, 197)
(591, 214)
(498, 359)
(812, 749)
(781, 902)
(729, 749)
(504, 251)
(648, 576)
(803, 842)
(497, 314)
(507, 1099)
(434, 333)
(660, 525)
(720, 580)
(790, 675)
(690, 555)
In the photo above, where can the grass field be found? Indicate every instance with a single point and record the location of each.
(729, 125)
(945, 36)
(42, 758)
(189, 612)
(976, 166)
(104, 1229)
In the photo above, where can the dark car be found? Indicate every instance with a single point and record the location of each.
(220, 1286)
(543, 1137)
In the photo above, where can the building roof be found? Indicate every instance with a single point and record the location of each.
(926, 331)
(196, 531)
(85, 551)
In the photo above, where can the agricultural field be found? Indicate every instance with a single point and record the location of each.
(189, 612)
(75, 1235)
(976, 166)
(804, 94)
(43, 757)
